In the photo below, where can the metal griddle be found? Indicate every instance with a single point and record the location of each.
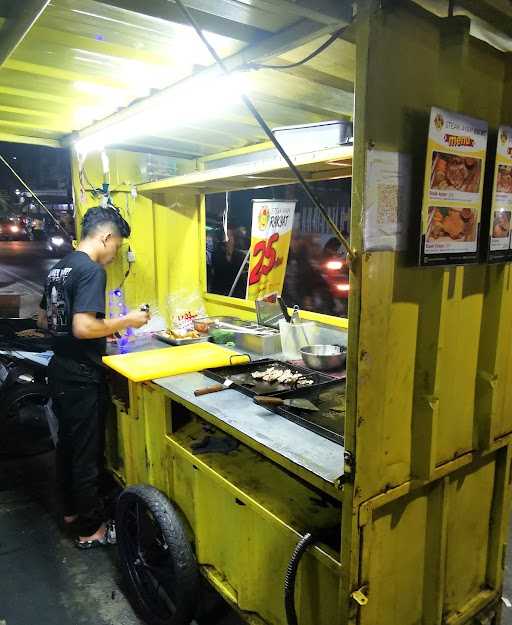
(219, 374)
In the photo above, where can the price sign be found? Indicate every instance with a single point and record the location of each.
(272, 222)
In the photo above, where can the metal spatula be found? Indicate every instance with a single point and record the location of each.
(302, 404)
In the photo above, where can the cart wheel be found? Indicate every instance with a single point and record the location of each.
(156, 557)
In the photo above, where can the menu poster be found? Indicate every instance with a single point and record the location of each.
(452, 194)
(500, 243)
(272, 223)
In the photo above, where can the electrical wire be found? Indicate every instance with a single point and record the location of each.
(253, 110)
(55, 220)
(319, 50)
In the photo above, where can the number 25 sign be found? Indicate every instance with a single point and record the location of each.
(272, 222)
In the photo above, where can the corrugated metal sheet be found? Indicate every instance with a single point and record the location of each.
(82, 60)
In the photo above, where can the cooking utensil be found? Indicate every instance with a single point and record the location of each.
(302, 404)
(242, 378)
(243, 330)
(216, 388)
(284, 309)
(268, 311)
(324, 357)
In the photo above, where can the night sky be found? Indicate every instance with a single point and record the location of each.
(41, 167)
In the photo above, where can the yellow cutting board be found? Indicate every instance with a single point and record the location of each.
(160, 363)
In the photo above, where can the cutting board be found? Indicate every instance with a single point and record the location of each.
(161, 363)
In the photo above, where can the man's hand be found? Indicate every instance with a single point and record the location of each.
(86, 326)
(137, 318)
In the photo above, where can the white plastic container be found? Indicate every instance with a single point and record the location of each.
(295, 336)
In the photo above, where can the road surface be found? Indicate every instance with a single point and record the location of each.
(24, 266)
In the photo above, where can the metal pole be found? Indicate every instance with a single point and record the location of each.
(240, 272)
(248, 103)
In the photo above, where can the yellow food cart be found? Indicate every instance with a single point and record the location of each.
(406, 521)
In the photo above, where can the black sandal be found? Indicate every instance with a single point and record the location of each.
(108, 539)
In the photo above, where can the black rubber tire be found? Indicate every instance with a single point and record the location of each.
(19, 439)
(179, 571)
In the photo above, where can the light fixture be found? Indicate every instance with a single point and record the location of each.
(189, 102)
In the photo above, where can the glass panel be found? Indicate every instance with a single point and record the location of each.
(316, 275)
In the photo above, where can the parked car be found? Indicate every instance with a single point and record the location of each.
(12, 229)
(58, 245)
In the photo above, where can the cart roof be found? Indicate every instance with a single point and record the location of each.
(65, 64)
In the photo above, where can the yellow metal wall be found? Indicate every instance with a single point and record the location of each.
(429, 417)
(165, 234)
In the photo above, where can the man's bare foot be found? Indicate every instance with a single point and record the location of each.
(70, 519)
(98, 535)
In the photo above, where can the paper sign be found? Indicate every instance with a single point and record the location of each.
(452, 195)
(500, 244)
(387, 200)
(272, 222)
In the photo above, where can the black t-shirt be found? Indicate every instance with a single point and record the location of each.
(76, 284)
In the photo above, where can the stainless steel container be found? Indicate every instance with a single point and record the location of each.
(324, 357)
(249, 335)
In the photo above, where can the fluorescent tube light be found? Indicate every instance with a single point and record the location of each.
(192, 101)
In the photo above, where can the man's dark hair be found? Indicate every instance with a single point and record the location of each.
(96, 217)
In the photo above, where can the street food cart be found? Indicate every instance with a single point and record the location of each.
(404, 519)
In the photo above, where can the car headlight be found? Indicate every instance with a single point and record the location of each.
(343, 287)
(57, 241)
(14, 229)
(334, 265)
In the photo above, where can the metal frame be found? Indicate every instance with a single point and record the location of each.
(17, 27)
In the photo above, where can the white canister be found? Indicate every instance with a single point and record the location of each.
(295, 336)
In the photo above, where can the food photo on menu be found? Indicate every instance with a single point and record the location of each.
(501, 224)
(451, 224)
(455, 173)
(504, 179)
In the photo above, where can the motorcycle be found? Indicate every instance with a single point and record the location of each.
(27, 423)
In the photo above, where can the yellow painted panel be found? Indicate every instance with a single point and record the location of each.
(469, 504)
(251, 552)
(484, 83)
(395, 547)
(386, 368)
(459, 345)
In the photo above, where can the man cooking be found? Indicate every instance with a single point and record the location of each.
(73, 310)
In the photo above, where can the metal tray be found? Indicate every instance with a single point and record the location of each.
(165, 338)
(320, 380)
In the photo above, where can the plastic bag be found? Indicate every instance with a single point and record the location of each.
(184, 307)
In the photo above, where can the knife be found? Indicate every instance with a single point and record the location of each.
(216, 388)
(303, 404)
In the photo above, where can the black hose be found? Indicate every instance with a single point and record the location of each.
(336, 35)
(291, 575)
